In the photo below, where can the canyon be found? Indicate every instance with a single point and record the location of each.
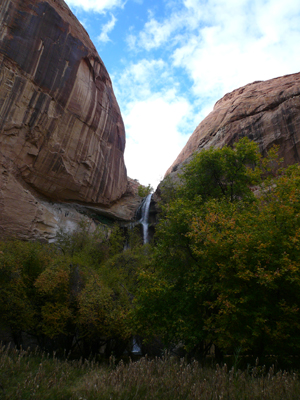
(62, 136)
(268, 112)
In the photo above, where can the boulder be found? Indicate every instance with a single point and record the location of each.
(268, 112)
(62, 137)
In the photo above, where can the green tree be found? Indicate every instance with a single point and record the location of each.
(143, 191)
(76, 291)
(106, 302)
(85, 242)
(249, 256)
(225, 173)
(20, 265)
(58, 304)
(225, 259)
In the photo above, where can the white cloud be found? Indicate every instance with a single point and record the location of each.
(155, 116)
(153, 137)
(155, 34)
(106, 29)
(140, 80)
(95, 5)
(222, 44)
(242, 43)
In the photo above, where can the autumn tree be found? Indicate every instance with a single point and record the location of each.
(106, 302)
(225, 268)
(249, 257)
(20, 265)
(76, 292)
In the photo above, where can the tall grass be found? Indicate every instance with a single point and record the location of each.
(25, 375)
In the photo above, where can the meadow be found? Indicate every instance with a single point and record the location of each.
(37, 375)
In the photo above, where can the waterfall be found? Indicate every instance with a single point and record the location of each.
(144, 221)
(145, 217)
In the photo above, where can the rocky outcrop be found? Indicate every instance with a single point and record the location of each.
(267, 112)
(125, 208)
(62, 136)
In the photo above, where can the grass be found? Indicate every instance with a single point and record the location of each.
(35, 375)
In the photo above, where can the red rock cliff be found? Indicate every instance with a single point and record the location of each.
(61, 131)
(267, 112)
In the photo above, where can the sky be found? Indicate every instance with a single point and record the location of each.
(171, 60)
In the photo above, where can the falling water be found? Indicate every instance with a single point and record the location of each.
(145, 217)
(144, 221)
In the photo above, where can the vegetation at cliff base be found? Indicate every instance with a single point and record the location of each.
(74, 295)
(143, 191)
(225, 267)
(221, 279)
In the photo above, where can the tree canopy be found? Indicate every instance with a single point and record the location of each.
(226, 263)
(75, 293)
(223, 269)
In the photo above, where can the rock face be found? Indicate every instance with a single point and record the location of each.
(267, 112)
(125, 208)
(62, 136)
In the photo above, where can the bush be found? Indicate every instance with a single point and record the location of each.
(143, 191)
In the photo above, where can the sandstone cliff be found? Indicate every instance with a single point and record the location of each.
(267, 112)
(62, 136)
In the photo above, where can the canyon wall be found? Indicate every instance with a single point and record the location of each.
(268, 112)
(62, 137)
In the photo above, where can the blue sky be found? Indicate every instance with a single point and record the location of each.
(171, 60)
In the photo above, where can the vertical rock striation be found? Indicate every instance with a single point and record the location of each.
(61, 132)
